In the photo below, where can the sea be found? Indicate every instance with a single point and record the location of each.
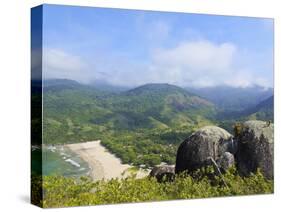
(58, 160)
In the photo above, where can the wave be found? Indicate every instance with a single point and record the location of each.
(72, 162)
(64, 154)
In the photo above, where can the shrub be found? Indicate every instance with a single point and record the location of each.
(62, 191)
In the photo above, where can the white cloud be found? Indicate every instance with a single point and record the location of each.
(202, 63)
(191, 63)
(59, 64)
(198, 56)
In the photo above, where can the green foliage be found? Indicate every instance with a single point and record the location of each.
(61, 191)
(76, 113)
(142, 126)
(146, 147)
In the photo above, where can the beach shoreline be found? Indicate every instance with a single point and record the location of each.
(102, 163)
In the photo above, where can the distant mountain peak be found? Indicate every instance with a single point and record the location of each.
(234, 98)
(158, 87)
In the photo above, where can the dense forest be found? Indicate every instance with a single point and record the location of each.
(143, 125)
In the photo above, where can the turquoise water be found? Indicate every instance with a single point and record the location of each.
(58, 160)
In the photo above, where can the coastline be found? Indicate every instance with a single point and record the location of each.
(102, 163)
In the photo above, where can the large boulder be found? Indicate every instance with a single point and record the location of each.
(195, 151)
(163, 173)
(255, 148)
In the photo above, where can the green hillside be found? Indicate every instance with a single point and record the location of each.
(262, 111)
(232, 99)
(142, 126)
(82, 111)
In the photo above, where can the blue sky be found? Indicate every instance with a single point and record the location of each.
(131, 47)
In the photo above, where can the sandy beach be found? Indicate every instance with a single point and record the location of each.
(103, 164)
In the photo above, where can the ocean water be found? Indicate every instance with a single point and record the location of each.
(58, 160)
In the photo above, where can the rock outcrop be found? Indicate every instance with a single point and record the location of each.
(226, 161)
(255, 148)
(252, 148)
(195, 151)
(163, 173)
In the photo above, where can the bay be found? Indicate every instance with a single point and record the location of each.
(58, 160)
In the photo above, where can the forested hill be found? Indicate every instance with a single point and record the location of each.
(262, 111)
(143, 125)
(157, 88)
(80, 111)
(77, 112)
(232, 99)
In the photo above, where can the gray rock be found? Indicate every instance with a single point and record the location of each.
(210, 141)
(226, 161)
(163, 173)
(255, 148)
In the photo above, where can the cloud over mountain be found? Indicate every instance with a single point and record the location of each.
(199, 63)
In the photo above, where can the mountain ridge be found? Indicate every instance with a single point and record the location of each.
(84, 110)
(231, 99)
